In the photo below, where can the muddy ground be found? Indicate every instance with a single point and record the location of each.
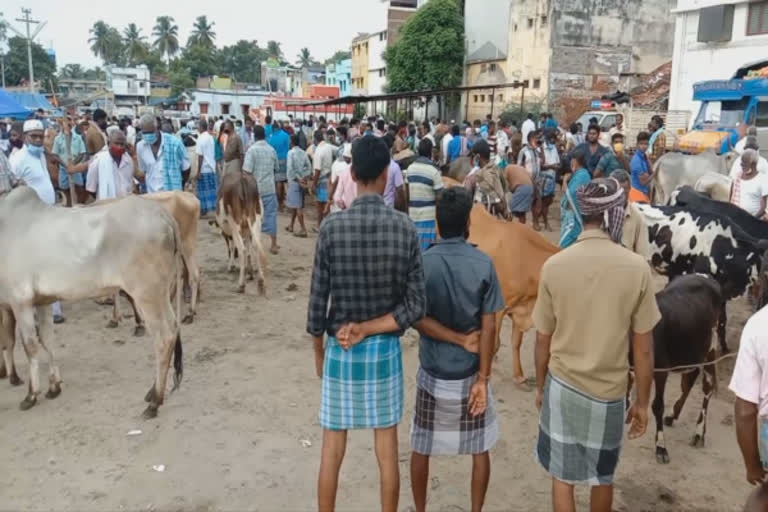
(242, 433)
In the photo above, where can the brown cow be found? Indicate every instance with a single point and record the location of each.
(518, 253)
(239, 216)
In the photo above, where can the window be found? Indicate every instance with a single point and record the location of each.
(501, 97)
(203, 108)
(382, 72)
(482, 98)
(762, 114)
(383, 36)
(515, 27)
(475, 98)
(225, 108)
(530, 22)
(543, 20)
(492, 66)
(723, 114)
(607, 122)
(715, 24)
(536, 83)
(757, 18)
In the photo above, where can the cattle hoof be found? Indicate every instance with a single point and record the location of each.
(662, 456)
(241, 289)
(28, 402)
(151, 394)
(15, 380)
(139, 331)
(53, 392)
(697, 441)
(112, 324)
(262, 287)
(188, 319)
(150, 412)
(669, 420)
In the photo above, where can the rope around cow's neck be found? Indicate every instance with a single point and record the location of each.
(689, 367)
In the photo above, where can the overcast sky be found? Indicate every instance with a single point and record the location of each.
(323, 26)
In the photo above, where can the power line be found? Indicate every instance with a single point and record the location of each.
(30, 37)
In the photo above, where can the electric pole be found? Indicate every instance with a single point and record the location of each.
(30, 37)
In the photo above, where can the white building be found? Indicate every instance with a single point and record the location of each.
(130, 86)
(377, 68)
(218, 102)
(713, 38)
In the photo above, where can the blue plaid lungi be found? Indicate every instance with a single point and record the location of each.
(522, 199)
(579, 436)
(762, 442)
(282, 174)
(362, 386)
(207, 191)
(322, 191)
(269, 226)
(64, 178)
(427, 230)
(295, 198)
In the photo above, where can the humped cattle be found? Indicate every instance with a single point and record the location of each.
(674, 170)
(685, 241)
(131, 245)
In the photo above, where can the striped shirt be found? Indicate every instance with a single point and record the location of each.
(424, 182)
(164, 171)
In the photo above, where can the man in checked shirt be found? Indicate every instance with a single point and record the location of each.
(376, 292)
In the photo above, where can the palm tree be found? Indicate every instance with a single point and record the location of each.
(202, 32)
(274, 50)
(72, 71)
(100, 39)
(166, 34)
(134, 43)
(304, 59)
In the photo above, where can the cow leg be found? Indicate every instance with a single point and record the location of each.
(721, 323)
(25, 318)
(162, 323)
(45, 321)
(686, 383)
(258, 257)
(708, 380)
(499, 321)
(517, 343)
(8, 338)
(115, 321)
(140, 328)
(193, 277)
(660, 381)
(231, 253)
(237, 237)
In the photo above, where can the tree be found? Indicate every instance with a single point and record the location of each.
(166, 34)
(304, 59)
(72, 71)
(430, 52)
(135, 47)
(197, 61)
(241, 60)
(154, 61)
(106, 43)
(180, 81)
(336, 57)
(17, 70)
(202, 33)
(274, 50)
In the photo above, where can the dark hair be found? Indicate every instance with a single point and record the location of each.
(268, 119)
(658, 120)
(319, 137)
(380, 125)
(580, 156)
(99, 114)
(532, 134)
(643, 137)
(389, 140)
(402, 124)
(295, 139)
(482, 149)
(593, 120)
(259, 133)
(530, 115)
(425, 148)
(203, 125)
(370, 158)
(503, 124)
(426, 126)
(593, 126)
(455, 130)
(354, 122)
(616, 136)
(574, 128)
(454, 205)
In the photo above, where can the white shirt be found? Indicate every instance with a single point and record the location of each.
(751, 193)
(206, 149)
(762, 167)
(447, 138)
(502, 144)
(34, 172)
(750, 375)
(322, 159)
(130, 136)
(154, 176)
(528, 127)
(122, 174)
(217, 126)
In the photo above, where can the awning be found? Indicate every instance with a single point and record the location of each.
(33, 101)
(9, 107)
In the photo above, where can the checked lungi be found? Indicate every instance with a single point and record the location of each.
(579, 436)
(427, 230)
(522, 199)
(207, 191)
(295, 197)
(269, 225)
(362, 386)
(442, 423)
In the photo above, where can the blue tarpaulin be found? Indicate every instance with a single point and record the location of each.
(9, 107)
(33, 101)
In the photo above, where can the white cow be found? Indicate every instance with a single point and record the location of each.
(51, 254)
(674, 170)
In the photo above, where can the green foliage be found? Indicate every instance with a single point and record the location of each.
(241, 60)
(76, 71)
(17, 70)
(197, 61)
(430, 53)
(304, 58)
(180, 81)
(202, 33)
(134, 43)
(359, 111)
(166, 34)
(274, 50)
(339, 55)
(512, 111)
(107, 43)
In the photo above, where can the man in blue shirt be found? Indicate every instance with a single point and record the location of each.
(592, 148)
(455, 411)
(281, 141)
(642, 173)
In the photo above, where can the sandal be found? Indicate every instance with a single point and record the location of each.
(289, 229)
(300, 234)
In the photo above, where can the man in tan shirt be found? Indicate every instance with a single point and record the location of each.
(591, 296)
(635, 236)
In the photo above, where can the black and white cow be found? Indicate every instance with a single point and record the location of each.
(686, 241)
(692, 200)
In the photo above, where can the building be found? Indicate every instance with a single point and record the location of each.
(359, 74)
(340, 74)
(377, 68)
(398, 13)
(223, 102)
(282, 77)
(567, 55)
(312, 75)
(129, 86)
(77, 90)
(712, 40)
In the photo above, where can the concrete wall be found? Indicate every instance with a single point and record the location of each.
(377, 79)
(529, 51)
(216, 98)
(694, 61)
(396, 18)
(360, 52)
(377, 44)
(486, 73)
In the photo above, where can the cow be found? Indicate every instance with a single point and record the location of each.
(185, 209)
(239, 216)
(692, 199)
(131, 245)
(7, 342)
(674, 170)
(689, 307)
(685, 241)
(713, 185)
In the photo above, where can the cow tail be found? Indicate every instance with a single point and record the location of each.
(652, 185)
(178, 363)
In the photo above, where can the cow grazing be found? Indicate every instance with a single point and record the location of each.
(238, 215)
(685, 241)
(689, 308)
(131, 245)
(674, 170)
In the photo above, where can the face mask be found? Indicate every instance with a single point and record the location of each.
(150, 137)
(17, 143)
(116, 152)
(35, 150)
(618, 147)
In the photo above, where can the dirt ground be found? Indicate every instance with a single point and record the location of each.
(242, 432)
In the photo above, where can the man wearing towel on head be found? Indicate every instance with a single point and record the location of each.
(110, 172)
